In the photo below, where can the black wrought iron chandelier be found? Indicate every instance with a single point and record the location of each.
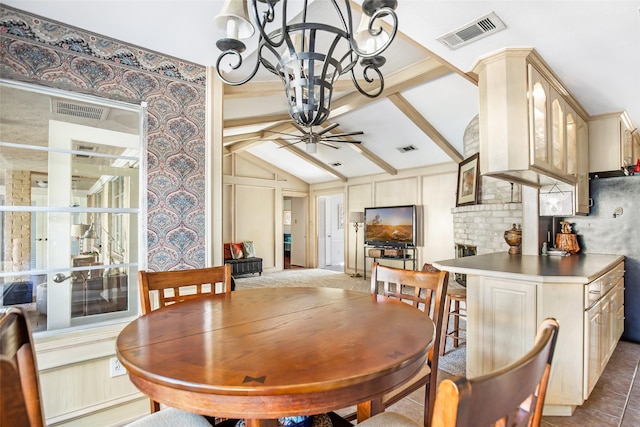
(309, 56)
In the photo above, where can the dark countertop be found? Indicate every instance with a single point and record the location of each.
(580, 268)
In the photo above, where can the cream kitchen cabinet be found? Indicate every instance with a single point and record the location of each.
(604, 323)
(528, 121)
(611, 143)
(582, 200)
(509, 296)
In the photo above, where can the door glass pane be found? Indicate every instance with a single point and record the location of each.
(69, 206)
(540, 123)
(572, 145)
(557, 135)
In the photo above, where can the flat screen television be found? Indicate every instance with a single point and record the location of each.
(393, 226)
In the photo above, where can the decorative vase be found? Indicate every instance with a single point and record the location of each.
(513, 237)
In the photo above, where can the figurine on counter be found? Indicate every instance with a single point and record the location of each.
(565, 240)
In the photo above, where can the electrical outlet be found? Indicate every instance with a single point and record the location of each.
(115, 368)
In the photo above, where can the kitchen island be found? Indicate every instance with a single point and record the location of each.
(508, 296)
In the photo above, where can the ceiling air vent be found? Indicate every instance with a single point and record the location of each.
(67, 108)
(407, 148)
(472, 31)
(88, 148)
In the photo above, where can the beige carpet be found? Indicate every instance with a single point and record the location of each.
(452, 362)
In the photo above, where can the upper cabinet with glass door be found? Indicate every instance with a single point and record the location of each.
(553, 128)
(69, 205)
(528, 121)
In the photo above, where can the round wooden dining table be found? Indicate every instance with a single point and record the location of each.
(265, 353)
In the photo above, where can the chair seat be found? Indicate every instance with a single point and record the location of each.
(389, 419)
(171, 417)
(457, 293)
(419, 380)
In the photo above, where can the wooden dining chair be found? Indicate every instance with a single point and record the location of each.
(511, 396)
(170, 287)
(20, 399)
(425, 290)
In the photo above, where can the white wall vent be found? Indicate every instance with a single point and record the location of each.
(407, 148)
(67, 108)
(472, 31)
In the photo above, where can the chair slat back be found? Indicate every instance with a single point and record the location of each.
(511, 396)
(20, 402)
(180, 285)
(425, 290)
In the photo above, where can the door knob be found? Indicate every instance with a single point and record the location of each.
(59, 278)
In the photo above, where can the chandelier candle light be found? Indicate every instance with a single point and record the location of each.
(308, 56)
(356, 218)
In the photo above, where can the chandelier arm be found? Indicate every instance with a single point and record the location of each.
(235, 66)
(369, 80)
(269, 16)
(347, 25)
(383, 11)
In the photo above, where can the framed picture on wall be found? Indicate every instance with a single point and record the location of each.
(468, 181)
(340, 217)
(287, 217)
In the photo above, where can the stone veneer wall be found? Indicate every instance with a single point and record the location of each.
(38, 50)
(17, 226)
(483, 225)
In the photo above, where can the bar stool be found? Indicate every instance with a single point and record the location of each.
(457, 296)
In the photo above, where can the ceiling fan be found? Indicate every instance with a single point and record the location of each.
(311, 138)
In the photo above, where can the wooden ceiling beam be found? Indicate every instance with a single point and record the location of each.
(309, 158)
(255, 120)
(425, 126)
(366, 153)
(422, 72)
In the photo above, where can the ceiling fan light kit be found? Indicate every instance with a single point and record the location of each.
(308, 56)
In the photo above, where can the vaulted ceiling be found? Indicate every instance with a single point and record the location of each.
(430, 91)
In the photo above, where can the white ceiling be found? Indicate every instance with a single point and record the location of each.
(593, 46)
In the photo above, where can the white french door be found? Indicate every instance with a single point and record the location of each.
(71, 189)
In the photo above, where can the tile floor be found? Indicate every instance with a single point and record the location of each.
(615, 400)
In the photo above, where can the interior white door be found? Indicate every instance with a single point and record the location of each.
(337, 224)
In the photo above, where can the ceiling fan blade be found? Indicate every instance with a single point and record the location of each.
(346, 141)
(300, 128)
(329, 145)
(347, 133)
(287, 145)
(328, 128)
(283, 133)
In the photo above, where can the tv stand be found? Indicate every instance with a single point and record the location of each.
(408, 255)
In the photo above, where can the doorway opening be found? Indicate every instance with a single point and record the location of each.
(331, 223)
(294, 234)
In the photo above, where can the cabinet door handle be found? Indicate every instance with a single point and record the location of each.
(594, 292)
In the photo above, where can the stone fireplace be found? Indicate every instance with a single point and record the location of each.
(483, 225)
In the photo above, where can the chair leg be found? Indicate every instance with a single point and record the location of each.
(428, 406)
(155, 406)
(445, 325)
(456, 323)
